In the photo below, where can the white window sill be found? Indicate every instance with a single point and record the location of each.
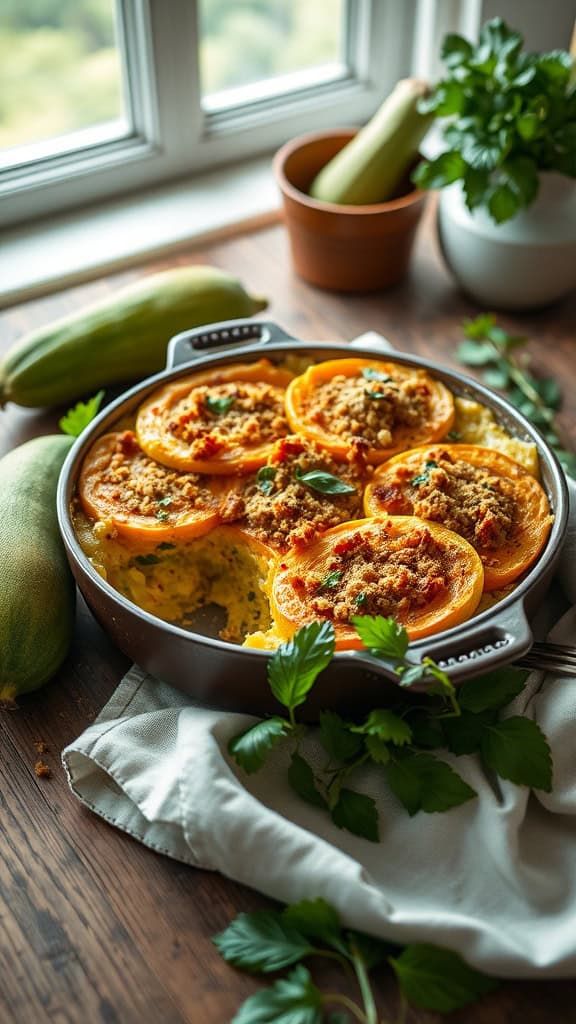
(75, 247)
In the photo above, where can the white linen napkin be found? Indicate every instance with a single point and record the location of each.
(494, 879)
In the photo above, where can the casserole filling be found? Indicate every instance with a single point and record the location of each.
(207, 513)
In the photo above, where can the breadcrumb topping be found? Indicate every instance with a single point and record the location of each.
(280, 510)
(138, 485)
(353, 407)
(366, 576)
(471, 500)
(214, 418)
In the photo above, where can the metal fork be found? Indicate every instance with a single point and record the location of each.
(560, 658)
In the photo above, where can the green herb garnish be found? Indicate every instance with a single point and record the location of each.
(371, 374)
(375, 395)
(219, 406)
(265, 479)
(512, 115)
(489, 347)
(331, 579)
(398, 739)
(165, 546)
(267, 941)
(324, 483)
(147, 559)
(78, 418)
(360, 599)
(164, 502)
(424, 478)
(162, 515)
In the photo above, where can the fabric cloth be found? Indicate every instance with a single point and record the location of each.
(494, 879)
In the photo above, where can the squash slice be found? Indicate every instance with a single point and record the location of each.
(492, 501)
(383, 407)
(222, 421)
(425, 576)
(141, 499)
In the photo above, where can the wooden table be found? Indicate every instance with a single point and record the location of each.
(93, 926)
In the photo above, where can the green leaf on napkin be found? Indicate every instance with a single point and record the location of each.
(518, 750)
(337, 738)
(291, 1000)
(262, 942)
(386, 726)
(251, 748)
(437, 979)
(296, 664)
(357, 813)
(301, 778)
(423, 783)
(492, 691)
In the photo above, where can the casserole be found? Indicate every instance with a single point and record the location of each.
(224, 674)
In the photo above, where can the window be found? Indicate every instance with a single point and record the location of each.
(159, 89)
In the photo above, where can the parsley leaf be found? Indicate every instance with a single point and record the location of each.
(324, 483)
(387, 726)
(424, 783)
(295, 664)
(357, 813)
(250, 748)
(337, 738)
(493, 690)
(463, 735)
(378, 749)
(518, 750)
(261, 942)
(265, 479)
(370, 373)
(291, 1000)
(301, 778)
(219, 406)
(381, 635)
(437, 979)
(76, 419)
(331, 579)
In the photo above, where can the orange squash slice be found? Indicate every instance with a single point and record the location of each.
(425, 576)
(383, 407)
(479, 493)
(143, 500)
(220, 421)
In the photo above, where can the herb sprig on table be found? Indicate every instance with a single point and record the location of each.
(265, 941)
(504, 366)
(398, 740)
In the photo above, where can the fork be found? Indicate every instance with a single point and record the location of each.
(560, 658)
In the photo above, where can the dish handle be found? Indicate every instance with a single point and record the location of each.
(227, 336)
(478, 648)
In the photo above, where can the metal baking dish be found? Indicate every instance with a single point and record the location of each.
(223, 674)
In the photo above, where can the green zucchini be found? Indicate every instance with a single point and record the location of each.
(37, 590)
(370, 168)
(123, 338)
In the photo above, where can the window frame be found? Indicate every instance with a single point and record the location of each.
(171, 135)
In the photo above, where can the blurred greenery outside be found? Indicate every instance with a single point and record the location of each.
(60, 69)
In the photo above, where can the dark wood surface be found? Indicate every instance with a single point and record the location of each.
(93, 926)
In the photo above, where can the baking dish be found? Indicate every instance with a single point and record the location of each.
(224, 674)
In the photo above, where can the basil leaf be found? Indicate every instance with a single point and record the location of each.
(324, 483)
(265, 479)
(219, 406)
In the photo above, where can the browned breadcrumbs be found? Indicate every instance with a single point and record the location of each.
(351, 407)
(42, 770)
(471, 500)
(141, 486)
(217, 417)
(364, 578)
(286, 513)
(40, 747)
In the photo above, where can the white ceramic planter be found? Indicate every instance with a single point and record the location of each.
(525, 262)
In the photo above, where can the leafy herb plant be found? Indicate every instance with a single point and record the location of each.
(505, 366)
(265, 941)
(512, 114)
(398, 741)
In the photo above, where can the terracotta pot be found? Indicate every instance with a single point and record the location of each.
(344, 248)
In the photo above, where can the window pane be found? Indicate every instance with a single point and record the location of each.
(247, 42)
(60, 72)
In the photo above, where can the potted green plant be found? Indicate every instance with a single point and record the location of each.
(507, 223)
